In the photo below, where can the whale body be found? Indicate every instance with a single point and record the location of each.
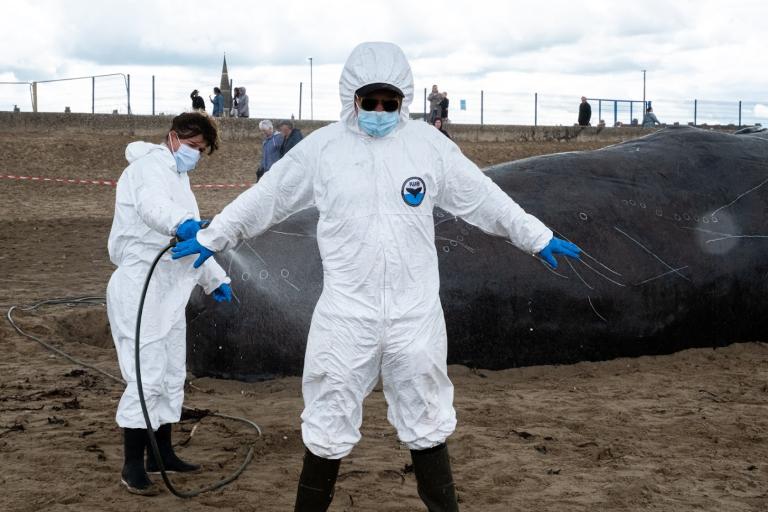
(675, 239)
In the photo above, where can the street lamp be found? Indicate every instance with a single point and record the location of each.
(644, 104)
(311, 99)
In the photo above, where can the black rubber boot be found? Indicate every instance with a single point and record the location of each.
(134, 478)
(316, 483)
(434, 480)
(171, 462)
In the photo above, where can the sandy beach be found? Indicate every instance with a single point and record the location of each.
(683, 432)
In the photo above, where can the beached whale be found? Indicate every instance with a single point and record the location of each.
(674, 232)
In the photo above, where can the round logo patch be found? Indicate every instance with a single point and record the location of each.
(413, 191)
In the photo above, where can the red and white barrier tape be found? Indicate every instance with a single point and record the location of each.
(110, 183)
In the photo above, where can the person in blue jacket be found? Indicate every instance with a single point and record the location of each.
(270, 147)
(218, 103)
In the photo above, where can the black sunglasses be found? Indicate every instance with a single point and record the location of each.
(370, 104)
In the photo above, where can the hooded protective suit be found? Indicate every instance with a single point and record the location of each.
(379, 313)
(152, 199)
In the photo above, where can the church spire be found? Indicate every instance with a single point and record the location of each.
(224, 86)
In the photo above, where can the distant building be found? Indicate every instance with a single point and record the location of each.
(225, 88)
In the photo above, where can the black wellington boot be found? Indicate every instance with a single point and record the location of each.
(316, 483)
(434, 479)
(134, 478)
(171, 462)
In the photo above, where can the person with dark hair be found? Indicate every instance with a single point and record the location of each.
(585, 112)
(197, 101)
(438, 123)
(240, 103)
(649, 119)
(444, 106)
(218, 103)
(153, 203)
(375, 178)
(291, 136)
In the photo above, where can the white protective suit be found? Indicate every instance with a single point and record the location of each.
(379, 312)
(152, 199)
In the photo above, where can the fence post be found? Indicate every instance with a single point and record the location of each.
(739, 113)
(695, 112)
(425, 106)
(599, 111)
(482, 106)
(34, 96)
(535, 109)
(153, 94)
(129, 94)
(93, 95)
(615, 112)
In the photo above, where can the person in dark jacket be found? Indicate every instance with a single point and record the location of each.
(198, 103)
(291, 136)
(585, 112)
(444, 106)
(438, 123)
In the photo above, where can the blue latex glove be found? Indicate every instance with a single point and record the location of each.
(189, 228)
(558, 246)
(223, 293)
(190, 247)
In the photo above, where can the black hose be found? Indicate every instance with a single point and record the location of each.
(70, 300)
(153, 442)
(150, 432)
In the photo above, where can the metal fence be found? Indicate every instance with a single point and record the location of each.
(169, 94)
(499, 107)
(107, 93)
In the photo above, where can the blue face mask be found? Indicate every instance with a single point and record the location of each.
(377, 124)
(186, 157)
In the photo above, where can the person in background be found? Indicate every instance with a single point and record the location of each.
(375, 178)
(434, 104)
(649, 119)
(291, 136)
(585, 112)
(153, 203)
(270, 147)
(444, 106)
(438, 123)
(218, 103)
(235, 97)
(197, 101)
(240, 103)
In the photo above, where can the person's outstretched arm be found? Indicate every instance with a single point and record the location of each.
(286, 189)
(468, 193)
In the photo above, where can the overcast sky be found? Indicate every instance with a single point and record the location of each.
(708, 50)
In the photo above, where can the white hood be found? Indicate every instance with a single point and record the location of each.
(371, 63)
(136, 150)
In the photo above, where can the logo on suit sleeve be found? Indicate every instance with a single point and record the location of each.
(413, 191)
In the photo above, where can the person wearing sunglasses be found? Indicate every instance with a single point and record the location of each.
(375, 177)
